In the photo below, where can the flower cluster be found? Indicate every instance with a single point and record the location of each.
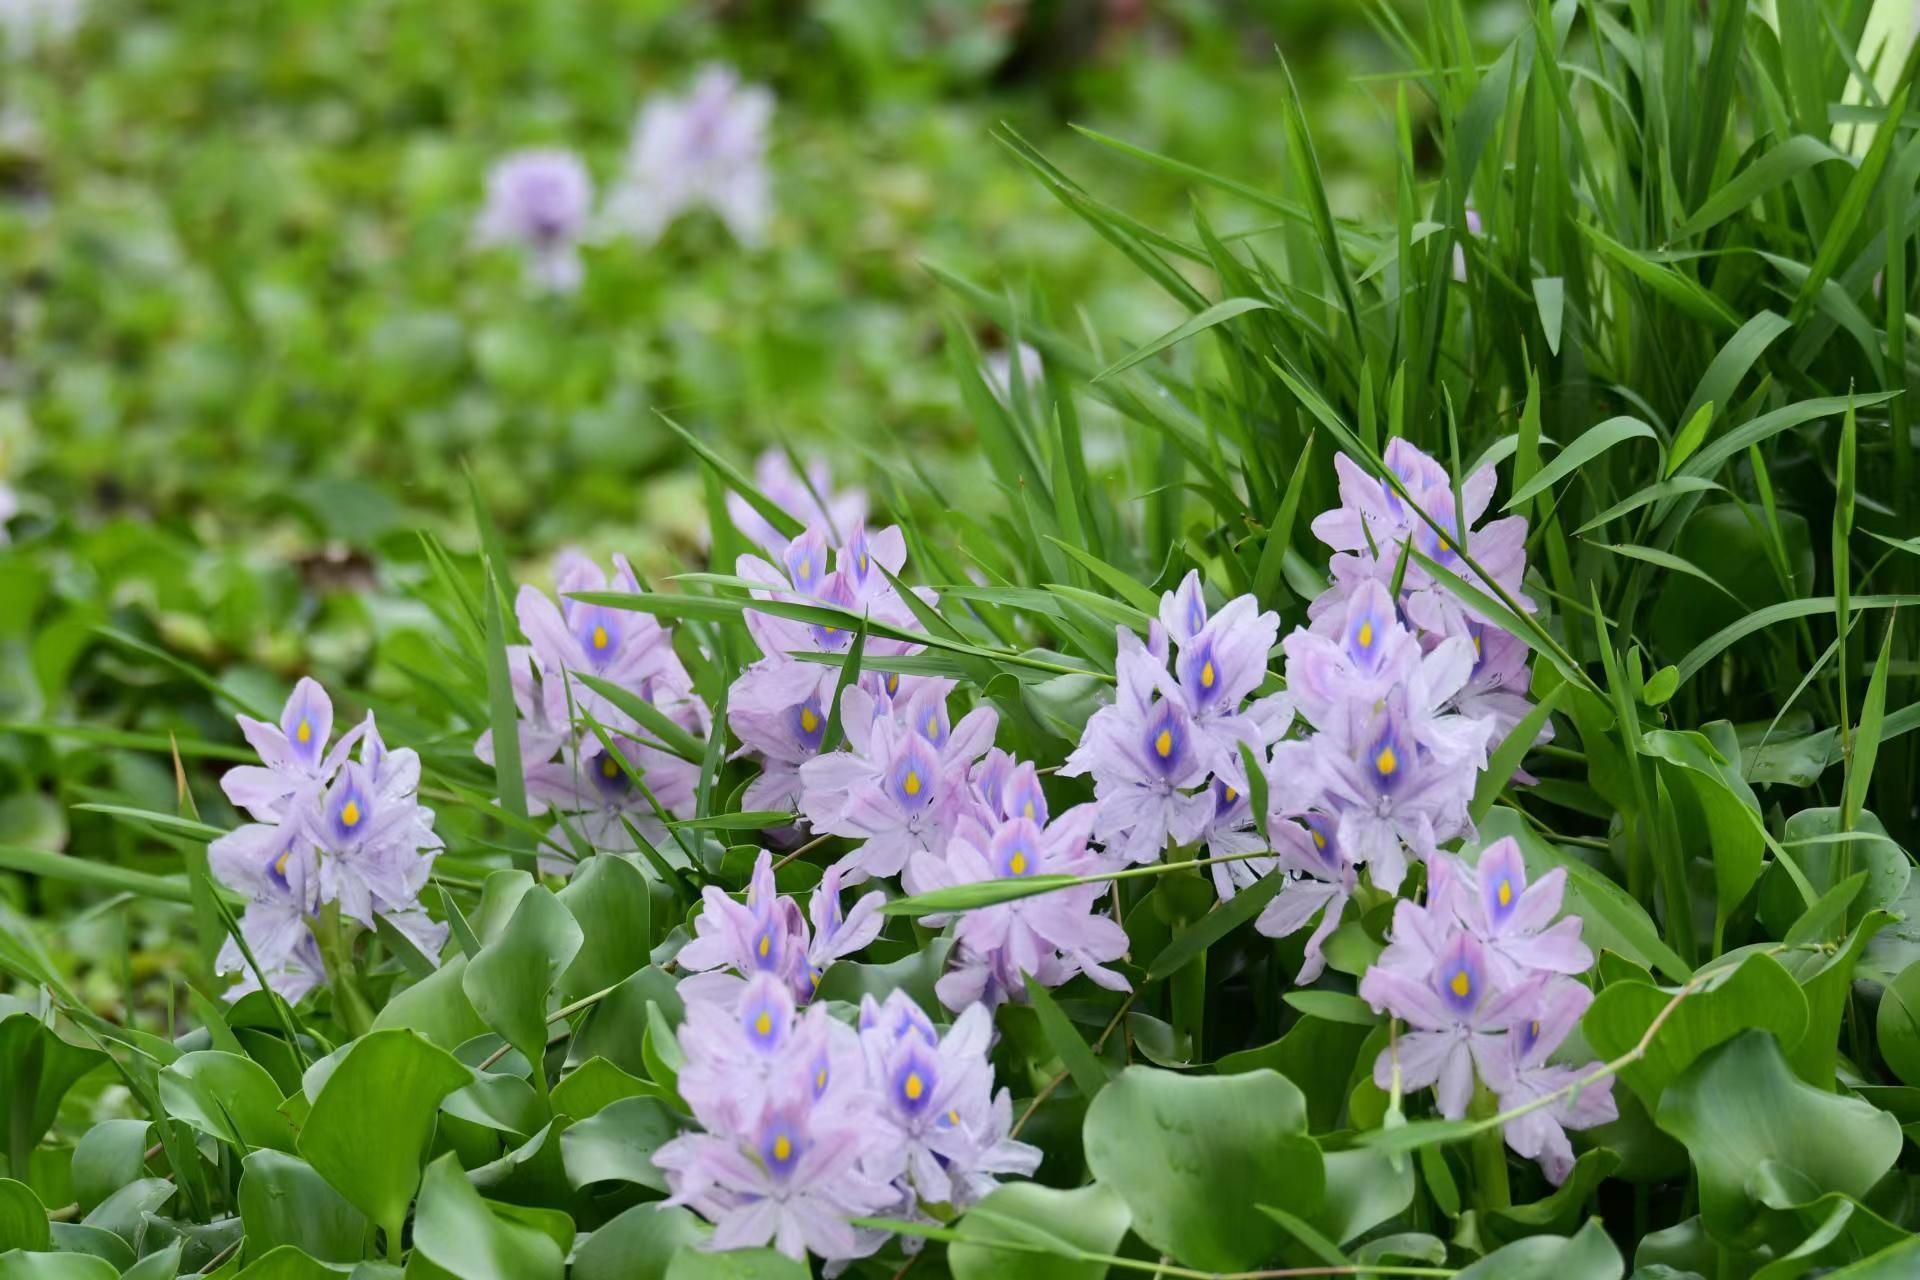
(779, 705)
(1403, 695)
(706, 149)
(767, 935)
(1480, 975)
(329, 828)
(807, 1122)
(1165, 756)
(539, 200)
(599, 791)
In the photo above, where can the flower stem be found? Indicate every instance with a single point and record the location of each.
(350, 1007)
(1490, 1189)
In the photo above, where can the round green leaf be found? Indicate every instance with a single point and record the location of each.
(288, 1263)
(611, 901)
(227, 1097)
(20, 1265)
(437, 1007)
(284, 1202)
(1755, 992)
(1740, 1106)
(1193, 1156)
(1898, 1025)
(108, 1157)
(640, 1242)
(456, 1231)
(618, 1143)
(1090, 1219)
(373, 1118)
(23, 1219)
(739, 1264)
(1587, 1255)
(511, 978)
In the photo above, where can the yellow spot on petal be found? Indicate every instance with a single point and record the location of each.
(782, 1148)
(766, 946)
(1533, 1028)
(1461, 984)
(912, 783)
(763, 1025)
(933, 726)
(820, 1078)
(1028, 811)
(1232, 795)
(806, 569)
(1365, 635)
(1206, 676)
(863, 562)
(599, 637)
(1386, 762)
(1018, 862)
(609, 767)
(1319, 841)
(808, 720)
(1163, 745)
(280, 864)
(350, 814)
(1444, 546)
(304, 733)
(1506, 893)
(915, 1086)
(893, 683)
(953, 1116)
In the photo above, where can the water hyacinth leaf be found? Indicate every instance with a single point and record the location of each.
(1826, 979)
(107, 1157)
(162, 1264)
(1816, 839)
(37, 1067)
(1192, 941)
(511, 978)
(21, 1265)
(1754, 991)
(1740, 1107)
(1192, 1156)
(1586, 1255)
(613, 904)
(594, 1085)
(95, 1242)
(283, 1201)
(124, 1213)
(436, 1006)
(642, 1241)
(1897, 1025)
(1089, 1219)
(1550, 298)
(227, 1097)
(1364, 1189)
(693, 1263)
(373, 1118)
(461, 1235)
(617, 1143)
(23, 1219)
(289, 1263)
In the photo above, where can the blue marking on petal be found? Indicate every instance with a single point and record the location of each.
(781, 1145)
(1163, 741)
(1388, 758)
(809, 724)
(913, 1083)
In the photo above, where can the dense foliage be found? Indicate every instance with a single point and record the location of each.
(1404, 768)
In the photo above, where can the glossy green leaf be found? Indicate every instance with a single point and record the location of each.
(227, 1097)
(1740, 1107)
(460, 1234)
(1090, 1219)
(611, 901)
(1192, 1157)
(372, 1120)
(282, 1201)
(617, 1144)
(510, 980)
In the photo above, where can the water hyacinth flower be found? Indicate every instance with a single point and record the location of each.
(538, 201)
(1320, 881)
(707, 149)
(1457, 1018)
(294, 754)
(333, 830)
(806, 1123)
(1515, 920)
(766, 934)
(568, 768)
(1051, 936)
(1541, 1134)
(810, 498)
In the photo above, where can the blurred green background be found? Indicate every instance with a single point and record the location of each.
(248, 346)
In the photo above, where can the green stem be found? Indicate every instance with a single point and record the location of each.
(1490, 1189)
(350, 1007)
(1189, 984)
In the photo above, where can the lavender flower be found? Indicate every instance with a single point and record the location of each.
(1458, 1018)
(538, 201)
(1320, 880)
(333, 830)
(811, 499)
(1541, 1134)
(294, 754)
(766, 934)
(707, 149)
(1515, 920)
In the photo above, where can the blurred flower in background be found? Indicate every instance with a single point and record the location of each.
(27, 25)
(538, 200)
(708, 148)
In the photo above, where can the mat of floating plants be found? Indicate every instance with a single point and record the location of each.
(1408, 772)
